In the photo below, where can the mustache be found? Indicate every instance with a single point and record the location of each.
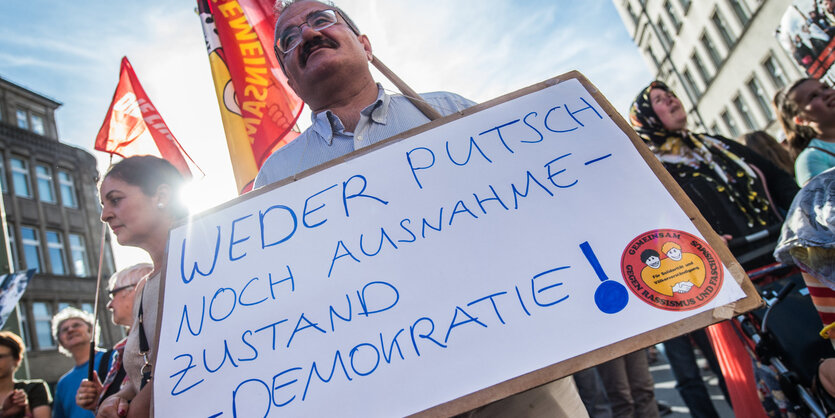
(314, 44)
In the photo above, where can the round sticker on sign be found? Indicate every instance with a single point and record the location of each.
(672, 270)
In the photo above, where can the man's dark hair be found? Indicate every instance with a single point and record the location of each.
(646, 254)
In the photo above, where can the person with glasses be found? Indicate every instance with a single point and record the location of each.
(121, 288)
(20, 398)
(73, 329)
(326, 60)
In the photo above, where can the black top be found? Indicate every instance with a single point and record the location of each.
(36, 391)
(723, 215)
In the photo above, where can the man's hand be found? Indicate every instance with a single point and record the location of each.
(88, 393)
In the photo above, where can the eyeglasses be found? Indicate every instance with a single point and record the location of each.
(292, 36)
(113, 292)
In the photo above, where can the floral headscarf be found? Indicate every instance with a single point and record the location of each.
(700, 155)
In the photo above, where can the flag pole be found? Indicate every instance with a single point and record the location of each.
(407, 91)
(91, 363)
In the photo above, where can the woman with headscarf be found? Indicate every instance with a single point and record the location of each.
(738, 192)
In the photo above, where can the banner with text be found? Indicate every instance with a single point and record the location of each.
(491, 246)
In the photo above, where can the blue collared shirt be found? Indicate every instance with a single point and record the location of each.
(326, 138)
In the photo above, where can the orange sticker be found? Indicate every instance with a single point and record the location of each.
(672, 270)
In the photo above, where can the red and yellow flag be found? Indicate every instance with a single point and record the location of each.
(134, 127)
(257, 107)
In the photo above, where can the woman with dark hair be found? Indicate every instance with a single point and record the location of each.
(727, 183)
(806, 111)
(20, 398)
(140, 202)
(764, 144)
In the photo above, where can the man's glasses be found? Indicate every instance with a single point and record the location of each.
(292, 36)
(113, 292)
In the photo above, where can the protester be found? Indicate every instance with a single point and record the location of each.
(725, 181)
(326, 58)
(73, 329)
(20, 398)
(140, 199)
(804, 112)
(629, 386)
(764, 144)
(808, 240)
(121, 288)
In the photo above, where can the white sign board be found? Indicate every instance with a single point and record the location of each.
(466, 255)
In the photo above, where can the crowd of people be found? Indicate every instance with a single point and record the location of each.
(741, 187)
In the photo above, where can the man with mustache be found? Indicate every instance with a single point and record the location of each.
(326, 58)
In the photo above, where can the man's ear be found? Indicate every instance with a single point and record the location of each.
(366, 45)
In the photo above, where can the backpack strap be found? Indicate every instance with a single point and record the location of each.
(821, 149)
(104, 365)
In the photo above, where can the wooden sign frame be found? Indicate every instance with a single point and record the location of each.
(555, 371)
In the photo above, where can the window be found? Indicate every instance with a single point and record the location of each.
(729, 123)
(666, 39)
(46, 189)
(42, 313)
(631, 12)
(671, 13)
(67, 186)
(685, 5)
(55, 249)
(744, 112)
(31, 248)
(13, 247)
(20, 177)
(711, 50)
(775, 72)
(3, 185)
(24, 327)
(78, 253)
(723, 29)
(653, 57)
(22, 120)
(690, 84)
(756, 90)
(37, 124)
(741, 11)
(700, 67)
(87, 307)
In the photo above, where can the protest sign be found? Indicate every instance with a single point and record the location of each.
(483, 254)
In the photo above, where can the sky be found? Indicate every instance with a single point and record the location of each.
(480, 49)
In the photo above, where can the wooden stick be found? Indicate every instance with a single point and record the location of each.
(407, 91)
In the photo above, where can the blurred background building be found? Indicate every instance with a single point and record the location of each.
(52, 218)
(720, 56)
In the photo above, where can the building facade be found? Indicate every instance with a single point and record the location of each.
(720, 56)
(52, 218)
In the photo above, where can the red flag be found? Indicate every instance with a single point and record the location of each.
(258, 109)
(134, 127)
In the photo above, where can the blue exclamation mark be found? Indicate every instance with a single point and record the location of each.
(611, 296)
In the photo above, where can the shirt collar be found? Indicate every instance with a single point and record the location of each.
(326, 123)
